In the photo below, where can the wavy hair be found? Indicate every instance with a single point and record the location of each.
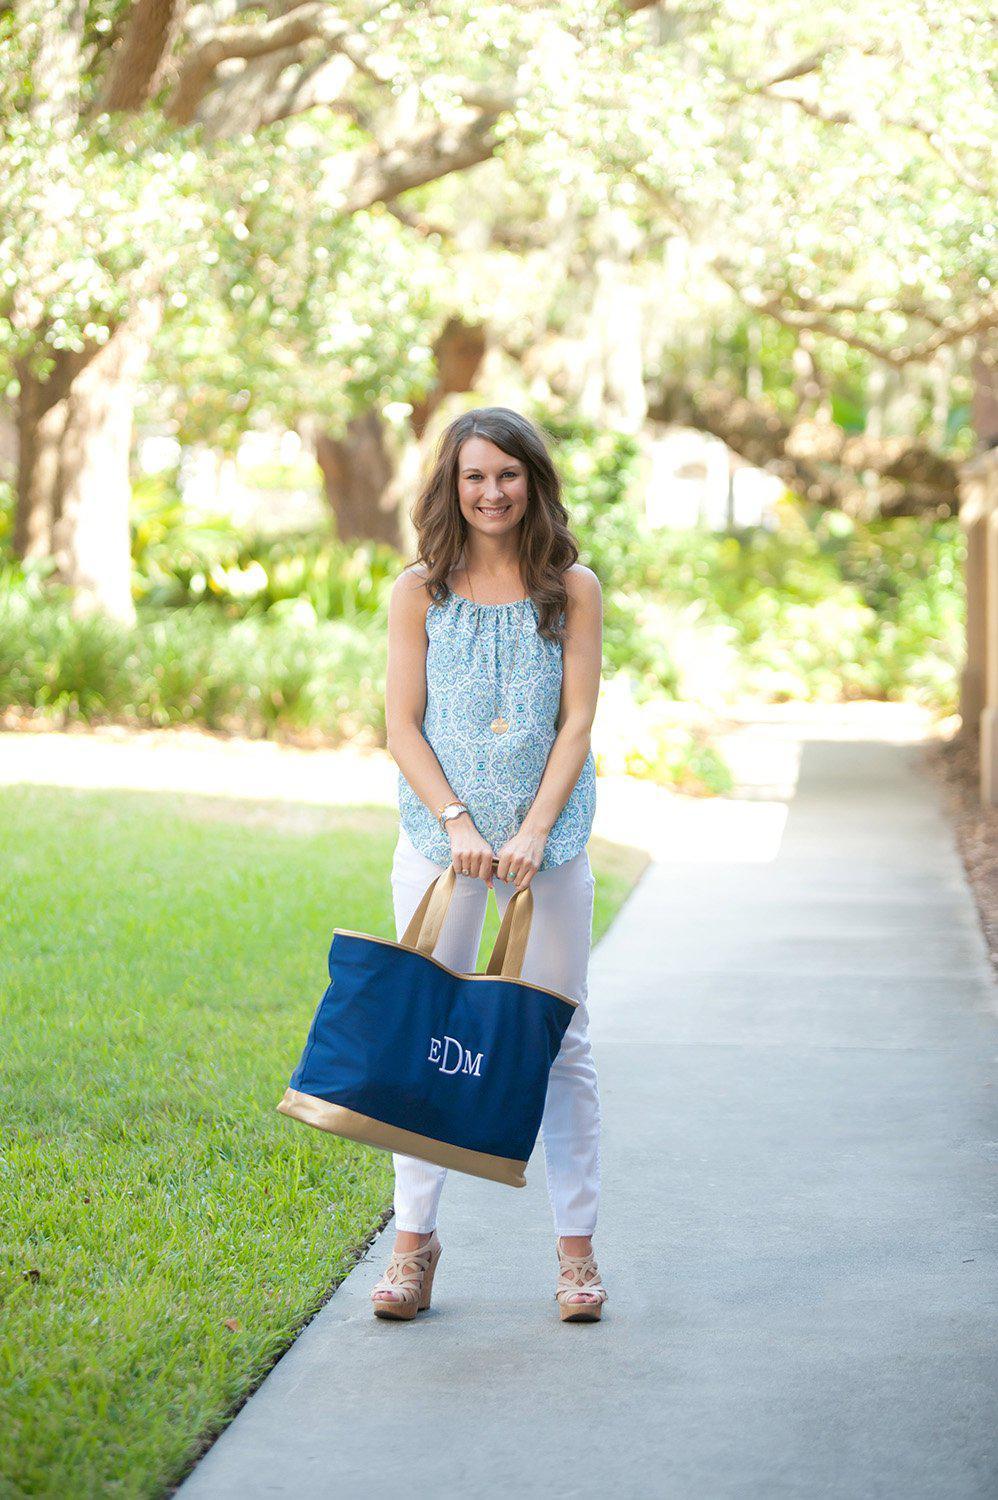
(547, 546)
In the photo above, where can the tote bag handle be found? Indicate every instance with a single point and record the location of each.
(510, 946)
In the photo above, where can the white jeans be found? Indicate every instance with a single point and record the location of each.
(557, 957)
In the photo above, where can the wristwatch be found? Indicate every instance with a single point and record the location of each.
(450, 810)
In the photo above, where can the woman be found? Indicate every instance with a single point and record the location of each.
(494, 656)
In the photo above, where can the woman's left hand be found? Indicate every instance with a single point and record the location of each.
(520, 857)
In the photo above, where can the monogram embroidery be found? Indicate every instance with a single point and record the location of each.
(451, 1051)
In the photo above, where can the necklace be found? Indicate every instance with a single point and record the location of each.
(499, 724)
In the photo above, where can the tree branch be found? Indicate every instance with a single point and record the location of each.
(137, 62)
(509, 239)
(818, 315)
(384, 174)
(817, 459)
(320, 86)
(799, 69)
(818, 320)
(917, 127)
(312, 21)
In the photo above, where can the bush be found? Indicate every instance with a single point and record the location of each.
(178, 562)
(827, 608)
(255, 676)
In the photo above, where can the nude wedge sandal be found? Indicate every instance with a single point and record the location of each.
(409, 1278)
(578, 1273)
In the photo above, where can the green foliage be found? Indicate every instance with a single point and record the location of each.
(599, 469)
(169, 547)
(255, 675)
(822, 607)
(287, 635)
(274, 298)
(681, 758)
(854, 198)
(827, 608)
(179, 562)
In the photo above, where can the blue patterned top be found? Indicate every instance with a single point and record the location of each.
(470, 649)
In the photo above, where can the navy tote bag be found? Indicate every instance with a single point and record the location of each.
(409, 1055)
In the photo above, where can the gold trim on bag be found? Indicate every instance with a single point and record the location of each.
(494, 978)
(356, 1127)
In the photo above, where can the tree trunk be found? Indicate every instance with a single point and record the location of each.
(75, 431)
(363, 474)
(458, 352)
(140, 57)
(357, 470)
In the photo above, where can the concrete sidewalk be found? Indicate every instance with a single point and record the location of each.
(799, 1215)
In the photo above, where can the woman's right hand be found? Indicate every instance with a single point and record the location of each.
(470, 853)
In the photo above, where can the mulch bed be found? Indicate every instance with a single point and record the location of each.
(954, 763)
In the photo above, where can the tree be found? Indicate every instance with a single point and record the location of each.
(137, 165)
(825, 174)
(315, 190)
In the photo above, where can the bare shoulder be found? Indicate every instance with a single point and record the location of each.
(410, 583)
(412, 576)
(583, 586)
(408, 595)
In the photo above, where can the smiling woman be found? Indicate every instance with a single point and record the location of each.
(501, 490)
(494, 656)
(492, 487)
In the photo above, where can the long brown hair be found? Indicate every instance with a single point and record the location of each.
(547, 547)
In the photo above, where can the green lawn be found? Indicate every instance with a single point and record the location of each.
(166, 1232)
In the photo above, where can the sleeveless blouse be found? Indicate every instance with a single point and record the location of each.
(469, 661)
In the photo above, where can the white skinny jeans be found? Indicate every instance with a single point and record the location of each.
(557, 957)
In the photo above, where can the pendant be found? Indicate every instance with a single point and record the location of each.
(499, 725)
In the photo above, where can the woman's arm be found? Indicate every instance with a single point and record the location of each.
(582, 661)
(405, 705)
(405, 693)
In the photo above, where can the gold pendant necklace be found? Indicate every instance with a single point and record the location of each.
(499, 724)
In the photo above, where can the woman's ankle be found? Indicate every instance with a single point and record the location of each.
(576, 1244)
(407, 1239)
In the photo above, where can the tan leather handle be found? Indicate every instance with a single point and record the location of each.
(510, 947)
(426, 921)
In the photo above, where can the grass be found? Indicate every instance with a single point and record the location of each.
(165, 1232)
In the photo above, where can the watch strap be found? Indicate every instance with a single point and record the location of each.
(452, 809)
